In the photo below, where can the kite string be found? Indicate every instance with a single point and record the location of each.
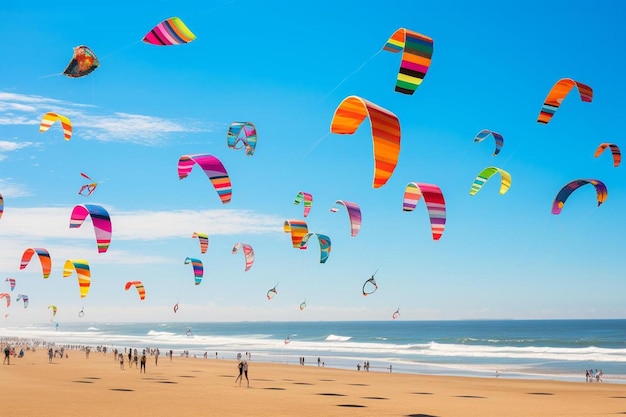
(315, 144)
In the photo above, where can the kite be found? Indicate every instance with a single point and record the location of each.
(305, 198)
(175, 308)
(324, 245)
(54, 310)
(7, 296)
(487, 173)
(385, 133)
(203, 238)
(498, 137)
(287, 341)
(354, 214)
(564, 193)
(139, 286)
(244, 132)
(171, 31)
(617, 155)
(50, 118)
(370, 285)
(247, 251)
(84, 62)
(272, 292)
(417, 52)
(435, 204)
(297, 228)
(24, 298)
(101, 223)
(81, 266)
(1, 205)
(88, 188)
(198, 269)
(11, 282)
(213, 168)
(396, 314)
(81, 313)
(556, 95)
(303, 305)
(44, 258)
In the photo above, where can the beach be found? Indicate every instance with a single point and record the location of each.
(96, 386)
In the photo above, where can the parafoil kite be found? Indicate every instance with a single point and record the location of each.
(370, 285)
(7, 296)
(385, 133)
(324, 245)
(272, 292)
(617, 154)
(203, 238)
(50, 118)
(11, 282)
(556, 95)
(81, 266)
(213, 168)
(1, 205)
(435, 204)
(175, 308)
(171, 31)
(564, 193)
(24, 298)
(354, 214)
(247, 251)
(396, 314)
(487, 173)
(303, 305)
(54, 310)
(297, 228)
(44, 259)
(498, 138)
(417, 52)
(84, 62)
(240, 135)
(101, 223)
(305, 198)
(198, 269)
(88, 188)
(139, 286)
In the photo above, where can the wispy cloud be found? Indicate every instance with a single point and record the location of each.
(91, 122)
(11, 189)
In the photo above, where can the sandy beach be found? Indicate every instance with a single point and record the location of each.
(96, 386)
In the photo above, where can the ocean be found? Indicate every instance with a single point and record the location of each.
(536, 349)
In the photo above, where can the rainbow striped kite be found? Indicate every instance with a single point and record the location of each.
(171, 31)
(417, 51)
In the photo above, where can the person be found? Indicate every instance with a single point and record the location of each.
(122, 361)
(358, 366)
(143, 362)
(240, 367)
(171, 354)
(7, 355)
(87, 350)
(50, 355)
(245, 372)
(135, 359)
(21, 355)
(156, 357)
(319, 361)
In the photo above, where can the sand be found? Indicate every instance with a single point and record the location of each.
(77, 386)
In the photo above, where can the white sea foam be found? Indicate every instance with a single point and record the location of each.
(335, 338)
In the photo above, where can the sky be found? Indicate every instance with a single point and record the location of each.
(286, 66)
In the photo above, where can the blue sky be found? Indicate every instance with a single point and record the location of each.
(286, 66)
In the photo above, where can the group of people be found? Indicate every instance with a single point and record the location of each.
(366, 366)
(591, 375)
(134, 358)
(243, 371)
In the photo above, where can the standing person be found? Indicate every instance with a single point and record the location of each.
(7, 355)
(240, 367)
(50, 355)
(121, 361)
(319, 361)
(143, 362)
(245, 372)
(171, 354)
(156, 357)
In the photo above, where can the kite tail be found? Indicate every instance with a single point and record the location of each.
(350, 75)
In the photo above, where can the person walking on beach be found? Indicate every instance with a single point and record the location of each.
(143, 362)
(50, 355)
(156, 357)
(121, 361)
(7, 355)
(240, 367)
(245, 373)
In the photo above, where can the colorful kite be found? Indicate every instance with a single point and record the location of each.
(354, 214)
(617, 155)
(396, 314)
(54, 310)
(240, 135)
(417, 52)
(435, 204)
(7, 296)
(303, 305)
(1, 205)
(175, 308)
(324, 245)
(11, 282)
(247, 251)
(564, 193)
(213, 168)
(24, 298)
(84, 62)
(498, 137)
(385, 133)
(81, 266)
(198, 269)
(101, 223)
(50, 118)
(88, 188)
(487, 173)
(297, 228)
(139, 286)
(44, 259)
(370, 286)
(556, 95)
(203, 238)
(272, 292)
(305, 198)
(171, 31)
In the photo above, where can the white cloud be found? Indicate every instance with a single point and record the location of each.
(8, 146)
(11, 189)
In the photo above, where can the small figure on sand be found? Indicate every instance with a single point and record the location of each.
(240, 367)
(143, 362)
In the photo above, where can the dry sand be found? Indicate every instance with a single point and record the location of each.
(77, 386)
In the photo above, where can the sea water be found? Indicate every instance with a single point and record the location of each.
(543, 349)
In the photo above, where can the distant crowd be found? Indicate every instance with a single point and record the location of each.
(591, 375)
